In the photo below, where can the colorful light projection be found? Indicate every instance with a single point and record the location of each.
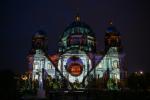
(74, 66)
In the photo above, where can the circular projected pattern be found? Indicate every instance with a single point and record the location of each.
(74, 66)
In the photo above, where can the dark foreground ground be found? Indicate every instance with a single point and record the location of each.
(100, 95)
(8, 91)
(93, 95)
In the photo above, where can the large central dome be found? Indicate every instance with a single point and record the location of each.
(78, 35)
(78, 27)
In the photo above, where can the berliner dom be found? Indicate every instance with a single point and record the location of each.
(77, 59)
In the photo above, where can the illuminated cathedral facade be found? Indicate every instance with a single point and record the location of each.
(77, 59)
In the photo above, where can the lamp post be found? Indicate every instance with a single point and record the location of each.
(24, 78)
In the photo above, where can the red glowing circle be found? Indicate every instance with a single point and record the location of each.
(75, 69)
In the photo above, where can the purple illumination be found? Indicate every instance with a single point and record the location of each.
(74, 59)
(74, 66)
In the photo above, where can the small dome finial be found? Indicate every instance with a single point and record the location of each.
(77, 18)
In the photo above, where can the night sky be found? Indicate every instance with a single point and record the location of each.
(20, 19)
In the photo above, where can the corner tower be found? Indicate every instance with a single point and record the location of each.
(112, 38)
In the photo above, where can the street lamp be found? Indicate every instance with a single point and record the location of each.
(24, 77)
(141, 72)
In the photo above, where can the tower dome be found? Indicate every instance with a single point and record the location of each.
(78, 35)
(40, 41)
(39, 35)
(111, 29)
